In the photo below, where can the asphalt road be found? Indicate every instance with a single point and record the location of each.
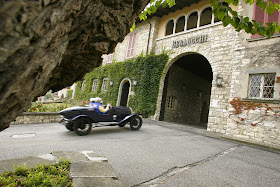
(159, 154)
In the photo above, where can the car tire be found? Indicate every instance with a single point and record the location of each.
(121, 124)
(135, 123)
(82, 126)
(70, 127)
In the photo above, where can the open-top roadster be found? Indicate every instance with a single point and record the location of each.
(81, 119)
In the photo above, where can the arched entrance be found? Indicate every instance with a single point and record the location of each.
(124, 91)
(187, 91)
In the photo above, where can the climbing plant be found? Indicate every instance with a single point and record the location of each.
(146, 70)
(260, 111)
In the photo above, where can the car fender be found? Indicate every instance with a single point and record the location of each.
(78, 116)
(127, 118)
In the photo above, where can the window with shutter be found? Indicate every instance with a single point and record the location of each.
(275, 16)
(263, 17)
(131, 45)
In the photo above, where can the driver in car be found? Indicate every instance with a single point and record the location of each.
(96, 104)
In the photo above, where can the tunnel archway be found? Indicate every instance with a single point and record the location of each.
(124, 91)
(187, 91)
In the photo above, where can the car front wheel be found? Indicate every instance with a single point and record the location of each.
(122, 124)
(136, 123)
(82, 126)
(69, 126)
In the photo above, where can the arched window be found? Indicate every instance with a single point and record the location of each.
(192, 21)
(206, 16)
(169, 28)
(180, 25)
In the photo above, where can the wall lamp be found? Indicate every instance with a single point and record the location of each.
(111, 83)
(219, 81)
(199, 93)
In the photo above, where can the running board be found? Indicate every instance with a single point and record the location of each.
(106, 124)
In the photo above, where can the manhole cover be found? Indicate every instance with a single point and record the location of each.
(24, 135)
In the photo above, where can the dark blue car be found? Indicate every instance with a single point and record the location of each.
(81, 119)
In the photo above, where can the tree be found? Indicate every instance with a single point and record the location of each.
(51, 44)
(228, 16)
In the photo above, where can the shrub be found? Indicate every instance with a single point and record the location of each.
(54, 107)
(43, 175)
(69, 93)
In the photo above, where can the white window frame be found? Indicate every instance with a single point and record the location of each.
(94, 85)
(262, 86)
(175, 23)
(83, 85)
(199, 12)
(110, 58)
(105, 84)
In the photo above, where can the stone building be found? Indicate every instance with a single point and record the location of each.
(209, 66)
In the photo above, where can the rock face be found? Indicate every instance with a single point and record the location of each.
(49, 44)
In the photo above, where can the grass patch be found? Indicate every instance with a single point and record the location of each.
(43, 175)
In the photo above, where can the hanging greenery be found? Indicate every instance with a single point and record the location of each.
(146, 71)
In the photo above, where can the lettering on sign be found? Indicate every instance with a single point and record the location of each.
(190, 41)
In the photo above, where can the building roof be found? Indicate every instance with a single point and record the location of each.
(180, 4)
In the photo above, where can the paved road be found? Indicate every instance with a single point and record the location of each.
(159, 154)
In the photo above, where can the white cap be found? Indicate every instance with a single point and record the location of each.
(97, 99)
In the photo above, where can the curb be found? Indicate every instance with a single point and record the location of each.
(87, 168)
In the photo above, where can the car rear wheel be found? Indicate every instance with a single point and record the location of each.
(136, 123)
(82, 126)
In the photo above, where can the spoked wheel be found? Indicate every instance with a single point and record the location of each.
(136, 123)
(82, 126)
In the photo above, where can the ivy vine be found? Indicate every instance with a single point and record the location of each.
(147, 71)
(241, 111)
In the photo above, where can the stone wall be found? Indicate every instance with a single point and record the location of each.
(37, 117)
(267, 132)
(143, 31)
(218, 52)
(255, 57)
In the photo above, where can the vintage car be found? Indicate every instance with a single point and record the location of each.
(82, 119)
